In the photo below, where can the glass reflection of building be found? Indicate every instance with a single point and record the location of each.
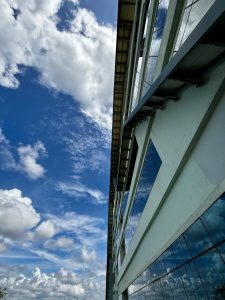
(166, 226)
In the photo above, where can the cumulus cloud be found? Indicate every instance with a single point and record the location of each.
(28, 156)
(78, 190)
(78, 62)
(67, 277)
(17, 214)
(62, 284)
(39, 285)
(45, 230)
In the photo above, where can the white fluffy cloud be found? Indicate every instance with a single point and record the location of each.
(88, 256)
(28, 156)
(78, 62)
(28, 159)
(45, 230)
(63, 284)
(17, 214)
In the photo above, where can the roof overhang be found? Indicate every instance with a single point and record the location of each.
(126, 12)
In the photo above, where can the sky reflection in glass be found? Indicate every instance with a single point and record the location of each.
(193, 13)
(155, 44)
(149, 172)
(193, 267)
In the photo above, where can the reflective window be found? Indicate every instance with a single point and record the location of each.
(212, 271)
(221, 249)
(124, 203)
(121, 253)
(197, 238)
(193, 267)
(181, 251)
(138, 70)
(155, 291)
(166, 287)
(153, 53)
(149, 172)
(193, 286)
(136, 83)
(214, 220)
(193, 13)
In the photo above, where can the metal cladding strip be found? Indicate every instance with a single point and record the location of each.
(124, 29)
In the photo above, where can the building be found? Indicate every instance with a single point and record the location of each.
(166, 224)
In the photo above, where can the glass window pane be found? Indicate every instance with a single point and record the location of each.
(191, 282)
(154, 271)
(148, 175)
(181, 251)
(136, 84)
(221, 249)
(155, 291)
(166, 288)
(214, 220)
(161, 266)
(169, 259)
(193, 13)
(176, 285)
(124, 202)
(153, 53)
(212, 271)
(197, 238)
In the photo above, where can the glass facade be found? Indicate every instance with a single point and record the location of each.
(136, 83)
(140, 60)
(193, 13)
(124, 203)
(193, 267)
(153, 52)
(149, 172)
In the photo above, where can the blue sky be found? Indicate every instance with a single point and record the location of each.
(56, 81)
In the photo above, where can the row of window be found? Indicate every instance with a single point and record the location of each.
(194, 11)
(193, 267)
(153, 51)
